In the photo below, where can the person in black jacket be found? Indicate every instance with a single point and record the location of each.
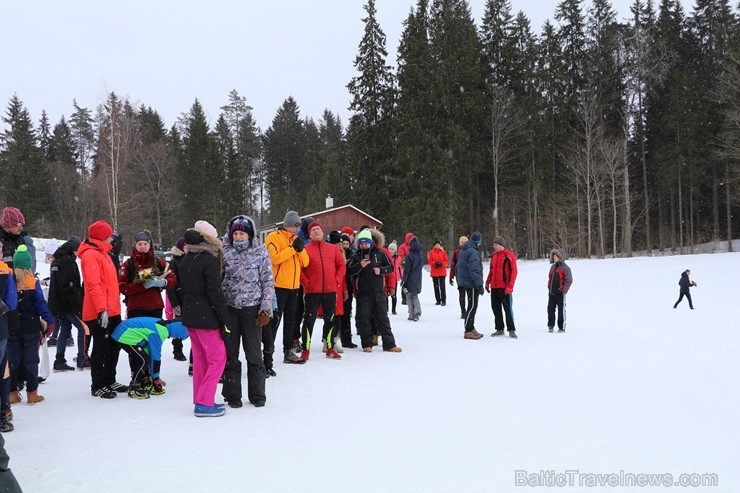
(369, 266)
(205, 314)
(65, 303)
(174, 295)
(685, 284)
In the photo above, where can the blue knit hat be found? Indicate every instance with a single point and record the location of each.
(476, 238)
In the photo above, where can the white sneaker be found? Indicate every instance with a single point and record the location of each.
(338, 345)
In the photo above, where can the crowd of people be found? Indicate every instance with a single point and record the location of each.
(228, 293)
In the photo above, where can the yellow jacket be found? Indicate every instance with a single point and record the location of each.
(286, 262)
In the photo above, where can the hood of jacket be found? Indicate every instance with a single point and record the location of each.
(378, 238)
(65, 249)
(227, 237)
(560, 253)
(198, 242)
(415, 246)
(407, 238)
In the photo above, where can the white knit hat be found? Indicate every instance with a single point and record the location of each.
(206, 228)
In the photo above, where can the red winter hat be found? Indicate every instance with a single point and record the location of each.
(11, 218)
(313, 225)
(100, 230)
(348, 231)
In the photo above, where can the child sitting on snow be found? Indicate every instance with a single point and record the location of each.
(142, 338)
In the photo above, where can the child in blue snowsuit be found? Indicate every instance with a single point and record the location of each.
(142, 338)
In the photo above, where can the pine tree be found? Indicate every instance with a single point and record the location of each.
(199, 178)
(370, 136)
(25, 182)
(83, 133)
(44, 136)
(284, 148)
(61, 147)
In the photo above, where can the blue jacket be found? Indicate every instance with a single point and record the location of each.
(469, 267)
(31, 307)
(414, 263)
(8, 295)
(149, 333)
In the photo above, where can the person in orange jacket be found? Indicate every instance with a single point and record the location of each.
(320, 279)
(437, 260)
(500, 283)
(288, 257)
(101, 308)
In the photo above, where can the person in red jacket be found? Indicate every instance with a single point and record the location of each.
(500, 283)
(143, 277)
(101, 308)
(320, 280)
(437, 260)
(403, 250)
(463, 309)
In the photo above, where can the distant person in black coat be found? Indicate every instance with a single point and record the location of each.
(65, 303)
(685, 284)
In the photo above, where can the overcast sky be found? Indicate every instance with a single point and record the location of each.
(165, 53)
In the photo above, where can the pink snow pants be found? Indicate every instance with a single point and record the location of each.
(209, 360)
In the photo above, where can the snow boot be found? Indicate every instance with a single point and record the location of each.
(60, 366)
(305, 354)
(513, 335)
(367, 349)
(561, 330)
(15, 397)
(394, 349)
(292, 358)
(497, 333)
(34, 397)
(473, 334)
(550, 329)
(178, 355)
(375, 340)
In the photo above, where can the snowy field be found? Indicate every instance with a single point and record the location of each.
(633, 387)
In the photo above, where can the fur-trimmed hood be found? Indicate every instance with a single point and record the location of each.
(199, 242)
(561, 253)
(378, 238)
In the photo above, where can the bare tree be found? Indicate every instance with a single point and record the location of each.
(504, 126)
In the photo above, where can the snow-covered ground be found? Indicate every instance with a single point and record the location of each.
(632, 386)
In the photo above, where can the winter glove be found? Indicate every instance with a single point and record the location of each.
(438, 265)
(225, 332)
(155, 282)
(298, 244)
(404, 289)
(263, 318)
(345, 295)
(178, 311)
(480, 290)
(452, 282)
(508, 291)
(49, 330)
(3, 308)
(103, 319)
(488, 288)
